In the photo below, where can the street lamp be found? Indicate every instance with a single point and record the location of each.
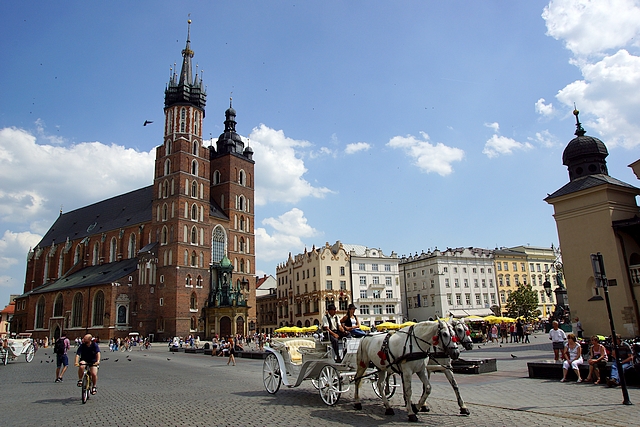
(597, 262)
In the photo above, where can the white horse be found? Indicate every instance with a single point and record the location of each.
(440, 362)
(404, 352)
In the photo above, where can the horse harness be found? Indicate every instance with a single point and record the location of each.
(394, 362)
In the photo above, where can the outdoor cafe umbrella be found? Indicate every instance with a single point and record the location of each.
(387, 325)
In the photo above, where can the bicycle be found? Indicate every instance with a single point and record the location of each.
(86, 382)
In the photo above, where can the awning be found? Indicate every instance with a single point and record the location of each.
(471, 312)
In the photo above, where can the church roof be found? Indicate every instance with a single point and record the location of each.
(92, 276)
(111, 214)
(589, 181)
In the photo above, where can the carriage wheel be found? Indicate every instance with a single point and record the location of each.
(30, 353)
(390, 386)
(5, 356)
(314, 383)
(329, 385)
(271, 374)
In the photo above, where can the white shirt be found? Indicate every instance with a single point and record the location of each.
(557, 335)
(330, 322)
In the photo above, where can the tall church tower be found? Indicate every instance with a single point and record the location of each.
(180, 220)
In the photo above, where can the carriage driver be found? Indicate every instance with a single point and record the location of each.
(331, 324)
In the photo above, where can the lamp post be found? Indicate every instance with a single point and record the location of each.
(597, 262)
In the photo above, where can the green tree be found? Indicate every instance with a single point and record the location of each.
(523, 302)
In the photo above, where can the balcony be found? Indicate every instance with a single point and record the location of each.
(634, 272)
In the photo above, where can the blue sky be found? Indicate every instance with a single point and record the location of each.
(397, 125)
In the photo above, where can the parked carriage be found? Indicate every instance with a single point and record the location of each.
(12, 348)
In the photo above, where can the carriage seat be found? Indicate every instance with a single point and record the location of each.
(294, 344)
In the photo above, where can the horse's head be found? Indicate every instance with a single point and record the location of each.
(446, 340)
(463, 333)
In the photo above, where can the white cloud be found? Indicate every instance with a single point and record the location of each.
(280, 168)
(607, 95)
(544, 109)
(286, 236)
(36, 179)
(545, 139)
(501, 145)
(590, 27)
(15, 246)
(495, 126)
(356, 146)
(428, 157)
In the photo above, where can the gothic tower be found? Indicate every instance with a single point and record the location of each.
(180, 219)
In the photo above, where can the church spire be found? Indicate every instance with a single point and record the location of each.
(185, 89)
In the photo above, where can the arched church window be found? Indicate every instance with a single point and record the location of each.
(194, 189)
(194, 167)
(194, 235)
(194, 212)
(217, 244)
(132, 246)
(113, 250)
(167, 167)
(195, 148)
(183, 115)
(241, 178)
(216, 177)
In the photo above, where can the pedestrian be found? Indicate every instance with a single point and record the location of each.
(520, 331)
(232, 352)
(512, 333)
(557, 337)
(60, 348)
(572, 358)
(526, 329)
(503, 333)
(579, 327)
(494, 333)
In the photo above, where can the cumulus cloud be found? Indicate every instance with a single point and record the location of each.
(280, 168)
(545, 139)
(495, 126)
(590, 27)
(501, 145)
(36, 179)
(15, 246)
(356, 146)
(607, 95)
(428, 157)
(286, 235)
(544, 109)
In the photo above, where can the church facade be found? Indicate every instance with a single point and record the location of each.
(175, 258)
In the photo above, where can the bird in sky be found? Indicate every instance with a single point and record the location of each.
(147, 122)
(514, 356)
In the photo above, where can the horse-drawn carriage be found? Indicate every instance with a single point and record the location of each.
(12, 348)
(381, 358)
(290, 361)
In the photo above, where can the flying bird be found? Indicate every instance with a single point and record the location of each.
(168, 358)
(147, 122)
(514, 356)
(116, 360)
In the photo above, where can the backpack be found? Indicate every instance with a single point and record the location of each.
(58, 347)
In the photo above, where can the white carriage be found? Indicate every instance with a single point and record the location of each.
(290, 361)
(12, 348)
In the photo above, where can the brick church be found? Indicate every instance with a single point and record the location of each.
(175, 258)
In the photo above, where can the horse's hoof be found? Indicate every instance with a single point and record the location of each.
(357, 406)
(464, 411)
(414, 408)
(389, 411)
(425, 408)
(413, 418)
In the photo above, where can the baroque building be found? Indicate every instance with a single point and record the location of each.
(595, 212)
(376, 285)
(171, 259)
(456, 282)
(308, 282)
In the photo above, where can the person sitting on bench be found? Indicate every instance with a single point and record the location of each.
(331, 325)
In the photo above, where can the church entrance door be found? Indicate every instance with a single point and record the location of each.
(225, 327)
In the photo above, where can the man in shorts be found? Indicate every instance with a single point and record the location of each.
(89, 354)
(62, 360)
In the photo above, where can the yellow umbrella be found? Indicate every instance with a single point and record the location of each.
(493, 319)
(407, 323)
(365, 328)
(387, 325)
(473, 319)
(283, 330)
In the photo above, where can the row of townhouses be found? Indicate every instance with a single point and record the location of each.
(387, 288)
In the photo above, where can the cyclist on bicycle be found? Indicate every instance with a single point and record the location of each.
(88, 354)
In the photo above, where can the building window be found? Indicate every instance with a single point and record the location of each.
(98, 309)
(363, 280)
(467, 299)
(39, 324)
(449, 301)
(446, 283)
(377, 309)
(329, 285)
(466, 283)
(477, 299)
(361, 266)
(342, 271)
(374, 267)
(387, 267)
(343, 285)
(193, 301)
(376, 293)
(389, 293)
(458, 299)
(475, 283)
(456, 283)
(391, 309)
(387, 281)
(57, 306)
(364, 309)
(328, 270)
(76, 311)
(363, 293)
(376, 280)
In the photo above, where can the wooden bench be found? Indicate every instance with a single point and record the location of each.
(473, 366)
(551, 370)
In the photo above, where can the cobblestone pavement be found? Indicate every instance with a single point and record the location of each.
(159, 388)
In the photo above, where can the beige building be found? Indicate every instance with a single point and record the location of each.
(511, 271)
(266, 304)
(595, 212)
(309, 281)
(540, 263)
